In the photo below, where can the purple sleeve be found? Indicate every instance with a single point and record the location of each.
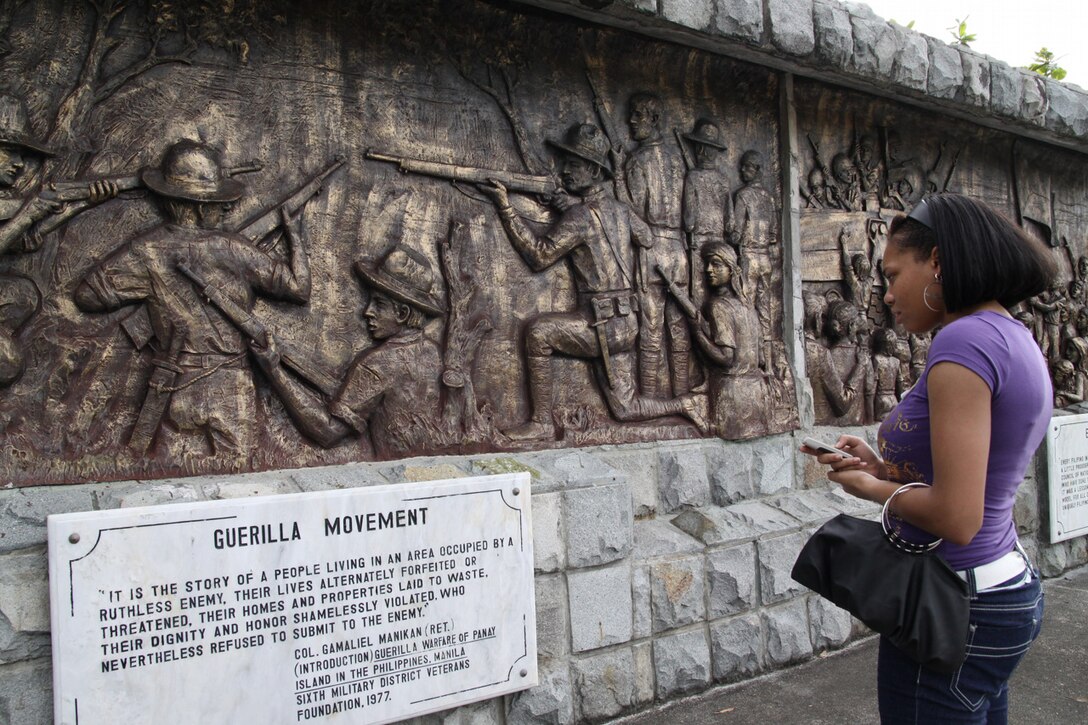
(975, 345)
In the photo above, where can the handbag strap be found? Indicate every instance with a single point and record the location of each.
(894, 534)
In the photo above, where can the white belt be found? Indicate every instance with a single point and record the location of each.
(989, 575)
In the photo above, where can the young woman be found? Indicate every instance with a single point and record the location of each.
(968, 429)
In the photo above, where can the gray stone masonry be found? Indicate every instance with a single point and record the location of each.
(847, 44)
(630, 609)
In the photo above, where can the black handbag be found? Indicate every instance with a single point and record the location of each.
(902, 590)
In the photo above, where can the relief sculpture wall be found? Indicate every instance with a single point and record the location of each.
(865, 161)
(268, 234)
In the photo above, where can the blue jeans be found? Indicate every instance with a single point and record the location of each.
(1003, 626)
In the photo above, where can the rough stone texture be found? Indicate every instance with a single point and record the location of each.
(1006, 90)
(26, 692)
(811, 507)
(248, 489)
(24, 604)
(1036, 102)
(945, 74)
(831, 626)
(716, 526)
(489, 712)
(1053, 560)
(731, 577)
(23, 512)
(739, 19)
(578, 468)
(640, 467)
(787, 633)
(742, 471)
(599, 525)
(550, 702)
(736, 646)
(657, 537)
(641, 602)
(876, 43)
(162, 492)
(791, 28)
(678, 593)
(605, 684)
(644, 672)
(1025, 511)
(1067, 112)
(645, 6)
(682, 663)
(600, 607)
(695, 14)
(549, 550)
(417, 473)
(833, 33)
(776, 558)
(975, 90)
(682, 479)
(763, 518)
(911, 68)
(552, 620)
(732, 474)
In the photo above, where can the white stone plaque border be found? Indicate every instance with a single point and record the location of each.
(1067, 476)
(369, 604)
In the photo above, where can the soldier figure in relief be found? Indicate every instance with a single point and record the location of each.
(598, 234)
(708, 202)
(755, 231)
(391, 391)
(654, 174)
(207, 406)
(20, 226)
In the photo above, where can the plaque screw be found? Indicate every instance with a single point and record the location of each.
(517, 491)
(525, 673)
(73, 539)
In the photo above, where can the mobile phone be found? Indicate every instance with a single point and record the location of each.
(823, 447)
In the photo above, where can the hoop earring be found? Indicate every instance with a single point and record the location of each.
(925, 292)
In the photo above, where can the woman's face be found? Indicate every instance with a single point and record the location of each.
(908, 277)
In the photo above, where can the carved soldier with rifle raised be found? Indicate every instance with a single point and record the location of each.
(201, 397)
(598, 235)
(24, 221)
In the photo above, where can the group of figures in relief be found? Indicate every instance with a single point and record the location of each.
(677, 277)
(857, 361)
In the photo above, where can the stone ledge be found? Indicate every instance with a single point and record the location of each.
(848, 44)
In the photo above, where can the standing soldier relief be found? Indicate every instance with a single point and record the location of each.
(654, 174)
(201, 399)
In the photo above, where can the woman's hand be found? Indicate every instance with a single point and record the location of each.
(860, 457)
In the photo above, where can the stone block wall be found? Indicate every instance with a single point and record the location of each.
(661, 569)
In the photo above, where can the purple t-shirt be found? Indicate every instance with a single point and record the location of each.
(1004, 354)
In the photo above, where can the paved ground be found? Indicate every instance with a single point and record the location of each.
(1049, 687)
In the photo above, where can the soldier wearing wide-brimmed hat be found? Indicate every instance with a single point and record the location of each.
(16, 144)
(192, 171)
(391, 392)
(707, 200)
(598, 234)
(211, 409)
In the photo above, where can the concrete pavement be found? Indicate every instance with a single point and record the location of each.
(1050, 686)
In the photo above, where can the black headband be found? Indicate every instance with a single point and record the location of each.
(921, 214)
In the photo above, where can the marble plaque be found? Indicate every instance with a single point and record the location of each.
(1067, 466)
(359, 605)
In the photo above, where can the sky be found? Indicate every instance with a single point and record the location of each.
(1009, 30)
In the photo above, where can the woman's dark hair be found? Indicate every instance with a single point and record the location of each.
(983, 254)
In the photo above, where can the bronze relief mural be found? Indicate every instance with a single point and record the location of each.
(866, 161)
(266, 235)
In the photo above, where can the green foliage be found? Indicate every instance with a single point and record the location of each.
(1047, 65)
(960, 36)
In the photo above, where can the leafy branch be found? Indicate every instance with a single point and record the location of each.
(960, 36)
(1047, 65)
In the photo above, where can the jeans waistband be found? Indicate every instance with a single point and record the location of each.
(981, 578)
